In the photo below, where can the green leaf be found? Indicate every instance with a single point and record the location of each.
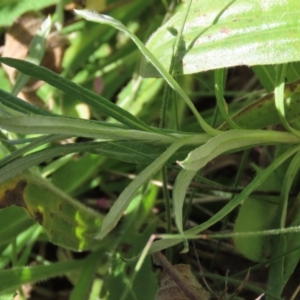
(78, 92)
(32, 145)
(12, 222)
(104, 19)
(256, 213)
(21, 164)
(181, 185)
(115, 213)
(266, 75)
(84, 282)
(14, 278)
(263, 112)
(20, 105)
(22, 244)
(163, 244)
(137, 152)
(279, 98)
(222, 105)
(67, 222)
(78, 127)
(281, 269)
(233, 140)
(226, 33)
(11, 10)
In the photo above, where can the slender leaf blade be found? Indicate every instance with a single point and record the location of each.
(76, 91)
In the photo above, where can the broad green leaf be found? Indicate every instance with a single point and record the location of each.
(67, 222)
(226, 33)
(256, 213)
(12, 222)
(263, 112)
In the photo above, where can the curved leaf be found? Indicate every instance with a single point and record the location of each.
(233, 140)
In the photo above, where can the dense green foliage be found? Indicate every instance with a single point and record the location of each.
(117, 121)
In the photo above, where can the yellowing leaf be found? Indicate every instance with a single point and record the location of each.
(67, 222)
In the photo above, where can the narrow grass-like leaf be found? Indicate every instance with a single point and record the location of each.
(286, 187)
(14, 278)
(181, 185)
(115, 213)
(251, 187)
(103, 19)
(23, 163)
(293, 243)
(266, 75)
(222, 105)
(281, 270)
(137, 152)
(78, 92)
(85, 280)
(31, 242)
(20, 105)
(163, 244)
(21, 241)
(31, 146)
(77, 127)
(279, 98)
(234, 140)
(226, 33)
(293, 72)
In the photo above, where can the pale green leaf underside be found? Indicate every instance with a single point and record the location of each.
(228, 33)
